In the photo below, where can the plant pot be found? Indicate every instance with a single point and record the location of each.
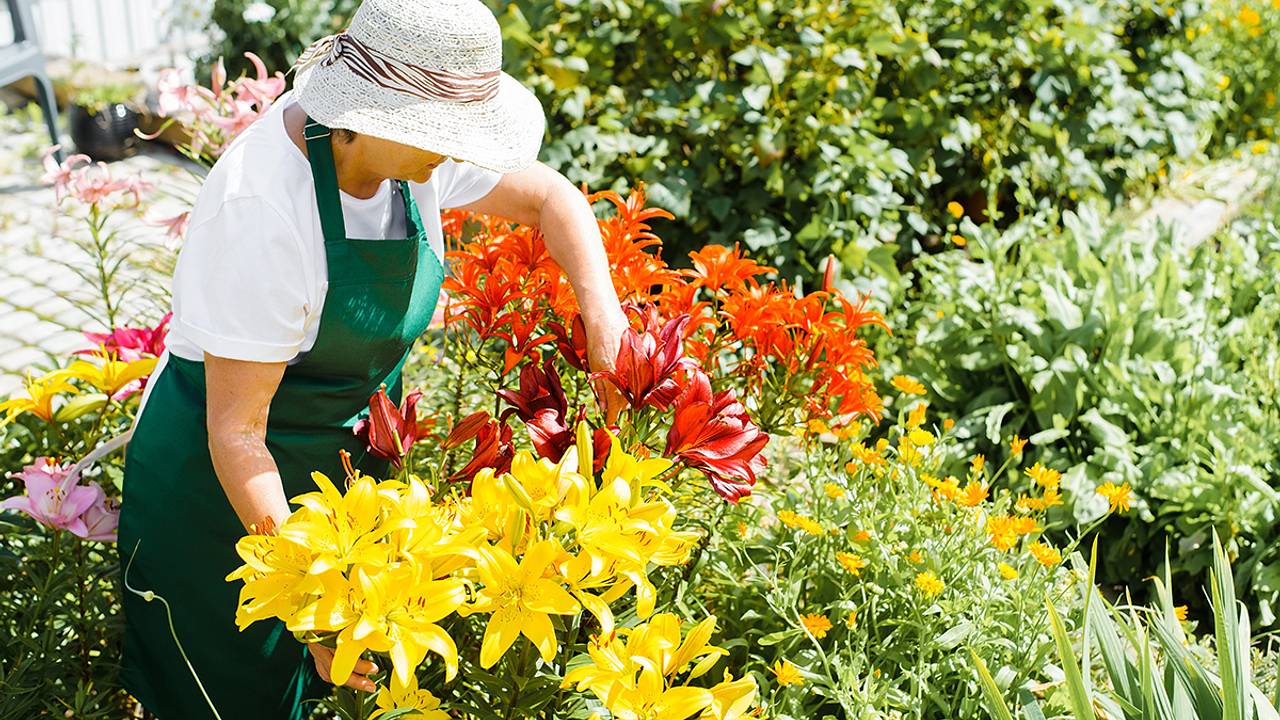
(107, 134)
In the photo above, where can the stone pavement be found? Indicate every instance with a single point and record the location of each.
(42, 300)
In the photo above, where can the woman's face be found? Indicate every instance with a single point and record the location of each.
(398, 161)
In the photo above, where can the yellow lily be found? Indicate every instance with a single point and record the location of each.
(342, 530)
(520, 599)
(40, 394)
(425, 705)
(112, 374)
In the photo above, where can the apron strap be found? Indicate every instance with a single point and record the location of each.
(413, 220)
(320, 155)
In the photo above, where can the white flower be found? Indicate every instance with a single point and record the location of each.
(258, 12)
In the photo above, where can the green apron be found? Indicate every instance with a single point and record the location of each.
(381, 295)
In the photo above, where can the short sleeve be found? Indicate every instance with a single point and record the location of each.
(463, 183)
(240, 288)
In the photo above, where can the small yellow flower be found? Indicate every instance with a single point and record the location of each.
(959, 240)
(1119, 496)
(1249, 17)
(1029, 504)
(1259, 147)
(915, 418)
(786, 673)
(817, 625)
(955, 209)
(907, 385)
(976, 464)
(1047, 555)
(973, 494)
(920, 436)
(818, 427)
(1007, 571)
(915, 558)
(1044, 477)
(1051, 497)
(1180, 612)
(851, 619)
(851, 562)
(929, 584)
(1016, 445)
(1224, 82)
(862, 536)
(943, 490)
(948, 424)
(833, 491)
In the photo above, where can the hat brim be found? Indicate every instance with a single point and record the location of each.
(503, 133)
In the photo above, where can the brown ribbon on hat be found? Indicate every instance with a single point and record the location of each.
(388, 72)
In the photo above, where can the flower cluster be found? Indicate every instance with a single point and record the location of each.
(55, 498)
(215, 115)
(702, 340)
(379, 566)
(92, 183)
(633, 673)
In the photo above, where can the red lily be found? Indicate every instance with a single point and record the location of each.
(389, 432)
(647, 364)
(713, 433)
(572, 343)
(493, 444)
(540, 389)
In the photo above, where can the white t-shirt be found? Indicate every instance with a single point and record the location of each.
(251, 275)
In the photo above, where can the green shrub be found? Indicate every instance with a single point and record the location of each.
(1127, 358)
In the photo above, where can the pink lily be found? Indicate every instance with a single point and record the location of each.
(130, 343)
(101, 518)
(50, 498)
(62, 175)
(175, 227)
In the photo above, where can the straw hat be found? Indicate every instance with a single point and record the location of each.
(425, 73)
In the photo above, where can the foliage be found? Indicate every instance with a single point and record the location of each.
(1150, 666)
(276, 30)
(1126, 357)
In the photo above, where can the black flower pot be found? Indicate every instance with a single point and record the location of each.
(107, 134)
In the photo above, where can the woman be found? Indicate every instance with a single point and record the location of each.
(312, 262)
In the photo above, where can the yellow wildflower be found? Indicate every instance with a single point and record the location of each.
(955, 209)
(817, 625)
(425, 705)
(915, 418)
(1045, 477)
(976, 465)
(862, 536)
(1007, 571)
(1029, 504)
(818, 427)
(1047, 555)
(929, 584)
(907, 385)
(833, 491)
(1249, 17)
(851, 562)
(1180, 612)
(1016, 445)
(973, 494)
(1224, 82)
(786, 673)
(959, 241)
(795, 520)
(915, 558)
(1119, 496)
(920, 436)
(1051, 497)
(948, 424)
(943, 490)
(851, 619)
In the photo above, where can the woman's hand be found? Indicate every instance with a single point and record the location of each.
(358, 680)
(604, 335)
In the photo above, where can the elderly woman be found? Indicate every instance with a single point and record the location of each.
(313, 262)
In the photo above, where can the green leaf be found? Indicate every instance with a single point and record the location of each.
(990, 691)
(1077, 693)
(79, 406)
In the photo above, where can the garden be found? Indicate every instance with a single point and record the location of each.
(951, 389)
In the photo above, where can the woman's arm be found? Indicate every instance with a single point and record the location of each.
(540, 197)
(239, 394)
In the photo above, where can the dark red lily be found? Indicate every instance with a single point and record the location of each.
(713, 433)
(540, 389)
(389, 431)
(572, 343)
(129, 343)
(648, 364)
(493, 445)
